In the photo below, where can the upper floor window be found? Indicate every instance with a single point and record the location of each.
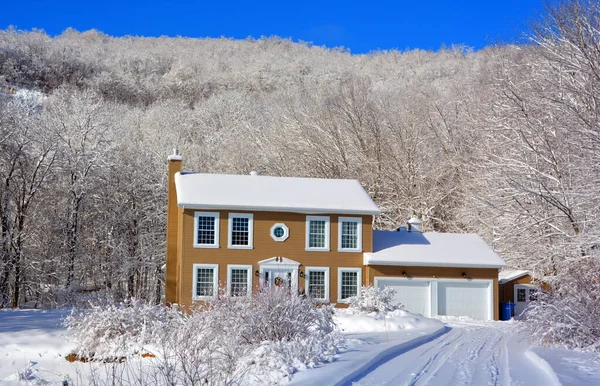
(350, 234)
(206, 229)
(241, 230)
(317, 233)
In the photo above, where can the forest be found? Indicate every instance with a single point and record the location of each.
(503, 142)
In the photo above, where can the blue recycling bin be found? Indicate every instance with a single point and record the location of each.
(506, 310)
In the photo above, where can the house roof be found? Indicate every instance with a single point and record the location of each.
(507, 275)
(276, 194)
(431, 249)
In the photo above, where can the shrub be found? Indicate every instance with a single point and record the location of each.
(106, 331)
(374, 299)
(259, 339)
(568, 314)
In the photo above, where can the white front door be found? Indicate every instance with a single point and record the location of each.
(279, 271)
(277, 277)
(524, 293)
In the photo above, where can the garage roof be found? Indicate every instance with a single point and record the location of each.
(431, 249)
(273, 194)
(507, 275)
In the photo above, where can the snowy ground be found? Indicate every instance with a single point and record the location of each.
(415, 351)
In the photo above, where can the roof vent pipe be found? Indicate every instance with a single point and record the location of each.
(414, 225)
(254, 173)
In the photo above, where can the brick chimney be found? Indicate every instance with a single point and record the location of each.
(171, 292)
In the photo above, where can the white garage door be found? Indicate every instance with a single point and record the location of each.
(464, 298)
(415, 295)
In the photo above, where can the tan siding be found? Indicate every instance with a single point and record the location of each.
(265, 247)
(172, 234)
(440, 273)
(507, 290)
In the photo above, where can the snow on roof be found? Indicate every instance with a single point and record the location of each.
(431, 249)
(507, 275)
(277, 194)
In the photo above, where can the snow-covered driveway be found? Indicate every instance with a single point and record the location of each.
(472, 353)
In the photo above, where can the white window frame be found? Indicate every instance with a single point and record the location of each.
(248, 268)
(358, 221)
(286, 232)
(250, 218)
(215, 267)
(216, 216)
(339, 281)
(327, 231)
(308, 270)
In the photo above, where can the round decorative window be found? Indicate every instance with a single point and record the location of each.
(280, 232)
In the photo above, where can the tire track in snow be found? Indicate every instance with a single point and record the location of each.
(467, 355)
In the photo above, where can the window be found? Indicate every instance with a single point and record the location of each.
(532, 294)
(206, 281)
(206, 230)
(521, 294)
(317, 283)
(349, 283)
(317, 233)
(239, 280)
(350, 234)
(241, 231)
(280, 232)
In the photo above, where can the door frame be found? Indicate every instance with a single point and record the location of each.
(518, 311)
(280, 265)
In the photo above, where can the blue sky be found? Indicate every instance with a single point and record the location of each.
(361, 26)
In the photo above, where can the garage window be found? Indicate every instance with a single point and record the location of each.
(349, 283)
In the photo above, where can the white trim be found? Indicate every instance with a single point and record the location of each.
(261, 208)
(215, 267)
(286, 232)
(278, 262)
(434, 294)
(327, 233)
(248, 268)
(339, 281)
(373, 258)
(308, 270)
(358, 221)
(216, 216)
(250, 218)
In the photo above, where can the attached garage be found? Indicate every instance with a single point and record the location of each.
(436, 273)
(453, 297)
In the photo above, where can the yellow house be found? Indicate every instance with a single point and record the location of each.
(245, 232)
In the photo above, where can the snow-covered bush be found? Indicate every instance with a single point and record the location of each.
(261, 339)
(270, 334)
(567, 315)
(106, 331)
(374, 299)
